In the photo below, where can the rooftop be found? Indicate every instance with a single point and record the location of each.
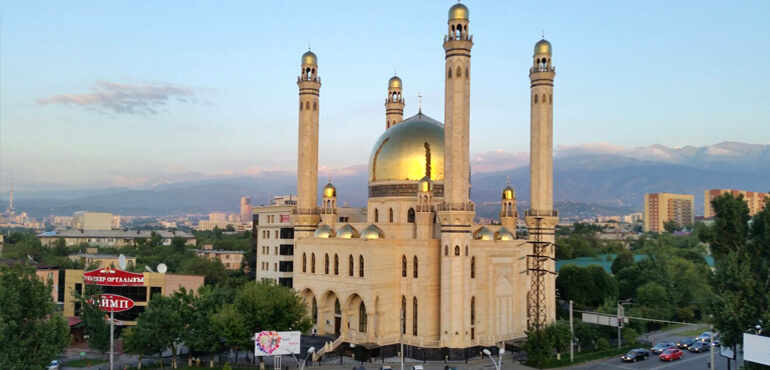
(113, 234)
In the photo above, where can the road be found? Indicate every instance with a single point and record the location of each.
(690, 360)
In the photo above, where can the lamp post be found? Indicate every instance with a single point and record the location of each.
(310, 351)
(497, 364)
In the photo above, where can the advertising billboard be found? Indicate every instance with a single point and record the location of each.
(756, 349)
(114, 303)
(113, 277)
(272, 343)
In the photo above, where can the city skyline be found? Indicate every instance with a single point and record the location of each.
(115, 94)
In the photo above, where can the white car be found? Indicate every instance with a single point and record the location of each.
(55, 365)
(705, 336)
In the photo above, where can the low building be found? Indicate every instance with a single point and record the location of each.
(102, 260)
(232, 260)
(83, 220)
(111, 238)
(238, 226)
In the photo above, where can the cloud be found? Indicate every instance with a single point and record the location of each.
(590, 148)
(498, 160)
(115, 98)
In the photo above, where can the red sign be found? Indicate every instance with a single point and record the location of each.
(113, 277)
(113, 303)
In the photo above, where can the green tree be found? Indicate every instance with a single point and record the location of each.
(32, 333)
(202, 335)
(560, 336)
(538, 347)
(624, 259)
(586, 286)
(93, 318)
(671, 226)
(213, 271)
(164, 320)
(139, 341)
(653, 301)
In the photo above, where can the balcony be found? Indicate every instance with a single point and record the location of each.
(541, 213)
(470, 206)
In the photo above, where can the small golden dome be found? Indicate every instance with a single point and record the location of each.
(484, 234)
(324, 231)
(372, 232)
(543, 47)
(409, 151)
(458, 11)
(425, 184)
(504, 234)
(347, 232)
(509, 193)
(394, 82)
(329, 191)
(309, 58)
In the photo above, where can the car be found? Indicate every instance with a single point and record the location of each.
(636, 355)
(700, 347)
(662, 346)
(705, 336)
(54, 365)
(716, 341)
(671, 354)
(386, 368)
(417, 367)
(685, 343)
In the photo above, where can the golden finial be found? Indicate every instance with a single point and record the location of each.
(543, 34)
(308, 46)
(509, 180)
(419, 103)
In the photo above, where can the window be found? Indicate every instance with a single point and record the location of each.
(466, 250)
(414, 316)
(403, 266)
(415, 266)
(287, 250)
(276, 249)
(350, 265)
(336, 265)
(457, 250)
(410, 216)
(276, 234)
(535, 98)
(362, 319)
(312, 263)
(314, 311)
(473, 311)
(337, 308)
(304, 262)
(286, 266)
(446, 250)
(361, 266)
(376, 215)
(326, 264)
(403, 315)
(473, 267)
(390, 215)
(287, 233)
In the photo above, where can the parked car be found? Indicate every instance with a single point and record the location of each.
(385, 368)
(55, 365)
(636, 355)
(671, 354)
(685, 343)
(700, 347)
(705, 336)
(662, 346)
(417, 367)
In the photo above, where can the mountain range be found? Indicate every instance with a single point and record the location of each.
(599, 178)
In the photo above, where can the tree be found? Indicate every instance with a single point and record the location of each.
(538, 347)
(624, 259)
(32, 333)
(139, 341)
(671, 226)
(213, 271)
(202, 335)
(586, 286)
(163, 320)
(94, 318)
(560, 336)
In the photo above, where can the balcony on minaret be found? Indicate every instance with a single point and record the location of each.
(541, 213)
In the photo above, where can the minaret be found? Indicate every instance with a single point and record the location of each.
(457, 212)
(309, 83)
(508, 213)
(541, 218)
(394, 104)
(329, 205)
(424, 211)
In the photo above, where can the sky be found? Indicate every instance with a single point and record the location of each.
(133, 93)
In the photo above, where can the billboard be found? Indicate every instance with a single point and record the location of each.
(113, 277)
(756, 349)
(271, 343)
(113, 303)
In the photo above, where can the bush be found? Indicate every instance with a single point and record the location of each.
(602, 344)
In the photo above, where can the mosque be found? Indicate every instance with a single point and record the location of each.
(417, 269)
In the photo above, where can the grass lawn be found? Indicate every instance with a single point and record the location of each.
(586, 356)
(84, 363)
(694, 332)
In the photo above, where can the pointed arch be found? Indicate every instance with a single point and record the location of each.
(449, 73)
(467, 73)
(337, 307)
(415, 267)
(544, 100)
(459, 71)
(402, 314)
(457, 250)
(414, 316)
(304, 262)
(535, 98)
(314, 311)
(361, 266)
(473, 267)
(351, 264)
(326, 263)
(376, 215)
(336, 264)
(362, 318)
(314, 106)
(403, 266)
(307, 104)
(300, 105)
(390, 215)
(410, 215)
(312, 263)
(446, 250)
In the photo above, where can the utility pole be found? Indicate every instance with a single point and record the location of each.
(711, 344)
(620, 323)
(572, 336)
(112, 337)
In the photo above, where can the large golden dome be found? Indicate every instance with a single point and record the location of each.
(409, 150)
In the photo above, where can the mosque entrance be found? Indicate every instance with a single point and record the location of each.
(337, 325)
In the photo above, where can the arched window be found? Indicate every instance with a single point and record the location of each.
(550, 97)
(410, 215)
(376, 215)
(459, 71)
(457, 253)
(535, 98)
(414, 316)
(449, 73)
(300, 105)
(473, 311)
(326, 264)
(312, 263)
(446, 250)
(473, 267)
(314, 105)
(403, 266)
(336, 265)
(314, 311)
(307, 104)
(403, 315)
(544, 100)
(390, 215)
(362, 319)
(350, 265)
(467, 73)
(361, 266)
(337, 308)
(466, 250)
(415, 267)
(304, 262)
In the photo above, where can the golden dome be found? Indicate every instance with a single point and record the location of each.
(509, 193)
(483, 234)
(372, 232)
(425, 184)
(402, 151)
(458, 11)
(309, 58)
(324, 231)
(347, 232)
(543, 47)
(329, 191)
(394, 82)
(504, 234)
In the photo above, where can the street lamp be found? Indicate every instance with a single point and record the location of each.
(497, 364)
(310, 351)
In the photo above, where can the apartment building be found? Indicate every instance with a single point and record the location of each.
(662, 207)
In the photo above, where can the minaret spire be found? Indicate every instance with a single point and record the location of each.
(394, 104)
(307, 212)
